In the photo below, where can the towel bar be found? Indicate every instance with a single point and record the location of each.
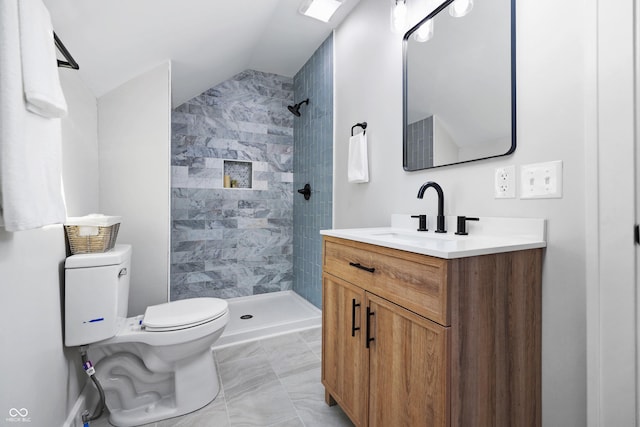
(70, 62)
(363, 125)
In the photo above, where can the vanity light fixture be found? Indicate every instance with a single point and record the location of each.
(398, 16)
(321, 10)
(425, 32)
(460, 8)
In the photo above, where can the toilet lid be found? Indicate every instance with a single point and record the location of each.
(183, 314)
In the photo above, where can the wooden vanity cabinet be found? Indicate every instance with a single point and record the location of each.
(412, 340)
(345, 360)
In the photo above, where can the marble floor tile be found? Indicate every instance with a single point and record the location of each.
(307, 394)
(212, 415)
(239, 351)
(292, 422)
(103, 421)
(264, 405)
(313, 338)
(316, 348)
(239, 376)
(311, 335)
(289, 354)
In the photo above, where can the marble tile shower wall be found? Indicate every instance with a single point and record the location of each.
(233, 242)
(313, 164)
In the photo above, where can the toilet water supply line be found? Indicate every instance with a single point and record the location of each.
(90, 370)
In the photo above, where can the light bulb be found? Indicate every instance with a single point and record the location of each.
(460, 8)
(398, 16)
(425, 32)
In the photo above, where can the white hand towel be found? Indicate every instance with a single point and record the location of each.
(42, 90)
(358, 166)
(30, 145)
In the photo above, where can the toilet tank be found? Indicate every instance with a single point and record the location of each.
(96, 295)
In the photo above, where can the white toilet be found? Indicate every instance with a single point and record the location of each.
(152, 367)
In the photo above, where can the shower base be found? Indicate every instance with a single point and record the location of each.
(271, 314)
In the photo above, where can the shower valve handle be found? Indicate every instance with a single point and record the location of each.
(306, 191)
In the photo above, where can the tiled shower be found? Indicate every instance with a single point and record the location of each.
(420, 152)
(238, 227)
(313, 164)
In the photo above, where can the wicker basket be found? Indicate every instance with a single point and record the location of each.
(103, 241)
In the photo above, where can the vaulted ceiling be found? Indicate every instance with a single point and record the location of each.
(207, 41)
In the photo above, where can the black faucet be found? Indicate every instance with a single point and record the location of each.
(440, 221)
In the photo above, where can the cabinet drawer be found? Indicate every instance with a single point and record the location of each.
(417, 282)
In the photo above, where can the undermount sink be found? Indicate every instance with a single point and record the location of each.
(419, 239)
(412, 237)
(486, 236)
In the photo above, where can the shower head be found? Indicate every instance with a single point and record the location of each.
(295, 109)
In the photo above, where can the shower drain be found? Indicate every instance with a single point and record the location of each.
(246, 316)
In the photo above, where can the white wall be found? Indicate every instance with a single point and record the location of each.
(445, 149)
(612, 194)
(36, 371)
(551, 92)
(80, 153)
(134, 128)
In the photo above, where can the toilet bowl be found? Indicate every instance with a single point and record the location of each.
(154, 366)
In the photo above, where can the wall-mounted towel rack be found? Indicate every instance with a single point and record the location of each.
(363, 125)
(70, 62)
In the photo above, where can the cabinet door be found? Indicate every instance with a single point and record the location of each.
(344, 363)
(408, 364)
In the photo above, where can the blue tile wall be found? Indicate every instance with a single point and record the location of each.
(420, 150)
(233, 242)
(313, 164)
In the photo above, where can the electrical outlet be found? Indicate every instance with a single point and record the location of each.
(541, 180)
(505, 182)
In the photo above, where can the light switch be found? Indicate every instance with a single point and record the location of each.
(541, 180)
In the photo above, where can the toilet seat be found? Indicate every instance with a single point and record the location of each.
(183, 314)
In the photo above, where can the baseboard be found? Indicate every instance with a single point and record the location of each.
(74, 419)
(88, 398)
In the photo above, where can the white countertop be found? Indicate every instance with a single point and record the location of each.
(488, 236)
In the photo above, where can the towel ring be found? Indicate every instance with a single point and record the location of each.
(363, 125)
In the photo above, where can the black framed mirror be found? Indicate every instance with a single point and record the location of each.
(459, 85)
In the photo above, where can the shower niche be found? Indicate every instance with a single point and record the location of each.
(237, 174)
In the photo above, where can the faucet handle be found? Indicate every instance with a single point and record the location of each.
(462, 224)
(422, 222)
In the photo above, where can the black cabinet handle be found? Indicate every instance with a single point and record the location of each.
(362, 267)
(369, 337)
(353, 317)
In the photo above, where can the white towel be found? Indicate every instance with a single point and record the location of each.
(358, 166)
(30, 145)
(42, 90)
